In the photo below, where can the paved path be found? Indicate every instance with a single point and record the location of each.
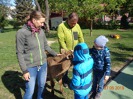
(121, 87)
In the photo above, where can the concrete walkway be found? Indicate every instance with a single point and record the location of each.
(121, 87)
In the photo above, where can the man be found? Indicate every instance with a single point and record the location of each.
(69, 35)
(124, 21)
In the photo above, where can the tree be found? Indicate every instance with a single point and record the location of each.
(90, 9)
(47, 13)
(23, 9)
(4, 10)
(87, 9)
(3, 14)
(44, 5)
(37, 5)
(128, 7)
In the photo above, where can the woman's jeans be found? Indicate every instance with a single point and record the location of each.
(39, 73)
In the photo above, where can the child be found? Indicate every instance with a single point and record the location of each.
(101, 68)
(82, 72)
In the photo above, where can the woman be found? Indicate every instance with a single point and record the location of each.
(31, 43)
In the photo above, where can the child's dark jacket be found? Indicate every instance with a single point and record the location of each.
(102, 61)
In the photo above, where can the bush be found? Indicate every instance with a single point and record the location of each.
(113, 24)
(15, 24)
(98, 24)
(3, 22)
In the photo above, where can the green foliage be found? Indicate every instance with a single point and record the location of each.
(128, 7)
(86, 8)
(3, 22)
(113, 24)
(15, 23)
(3, 14)
(23, 9)
(113, 5)
(42, 5)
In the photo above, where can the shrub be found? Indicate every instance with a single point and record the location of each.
(15, 24)
(3, 22)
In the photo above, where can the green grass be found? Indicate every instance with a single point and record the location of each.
(121, 49)
(12, 83)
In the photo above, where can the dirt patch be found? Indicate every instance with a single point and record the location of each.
(122, 29)
(50, 42)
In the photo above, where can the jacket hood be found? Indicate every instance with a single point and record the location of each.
(25, 27)
(81, 53)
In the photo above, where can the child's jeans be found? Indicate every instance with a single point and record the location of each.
(39, 73)
(98, 81)
(80, 97)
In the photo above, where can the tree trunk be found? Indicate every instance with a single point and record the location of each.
(91, 26)
(47, 14)
(38, 6)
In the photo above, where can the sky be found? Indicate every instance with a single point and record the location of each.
(12, 2)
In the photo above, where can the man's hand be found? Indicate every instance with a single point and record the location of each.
(106, 78)
(26, 76)
(58, 54)
(72, 51)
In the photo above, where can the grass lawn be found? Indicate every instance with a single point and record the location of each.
(12, 83)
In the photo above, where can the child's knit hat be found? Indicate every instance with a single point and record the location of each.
(101, 41)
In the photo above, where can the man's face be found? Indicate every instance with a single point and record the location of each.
(39, 23)
(72, 22)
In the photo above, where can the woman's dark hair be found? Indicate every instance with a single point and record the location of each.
(36, 15)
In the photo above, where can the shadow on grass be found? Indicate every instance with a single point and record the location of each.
(48, 86)
(13, 81)
(129, 36)
(120, 56)
(123, 47)
(47, 94)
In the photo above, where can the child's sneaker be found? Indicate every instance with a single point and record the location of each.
(98, 95)
(65, 85)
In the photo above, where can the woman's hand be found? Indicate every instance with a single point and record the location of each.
(26, 76)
